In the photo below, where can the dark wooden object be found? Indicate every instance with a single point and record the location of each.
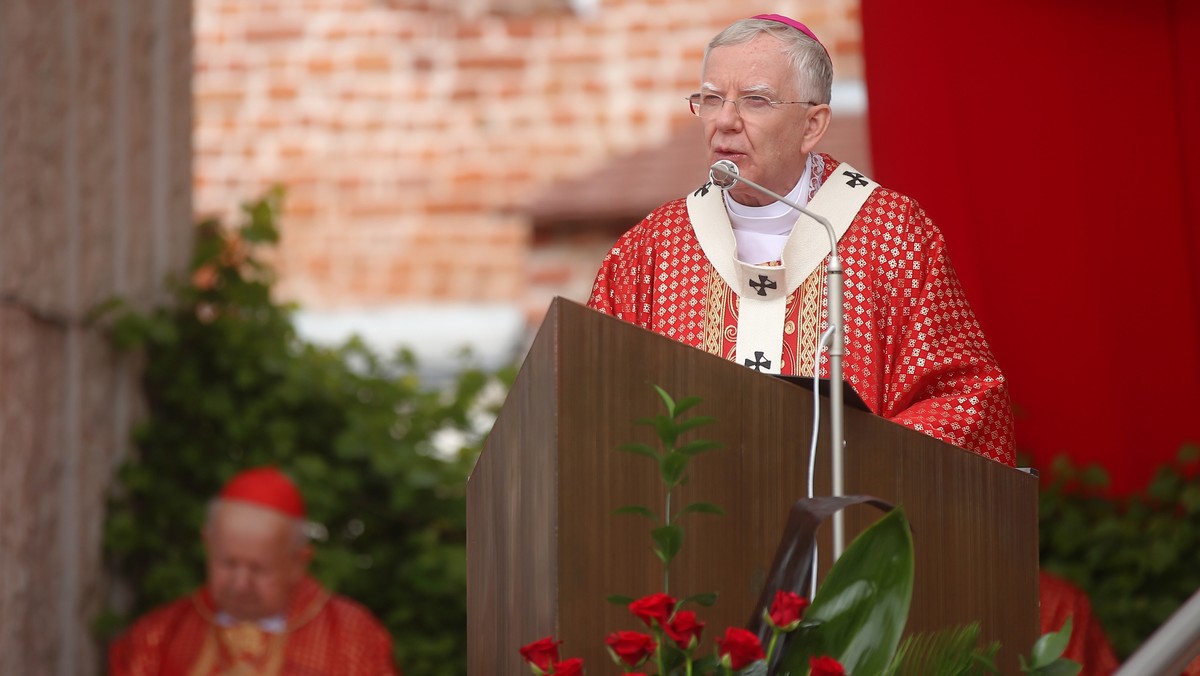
(544, 548)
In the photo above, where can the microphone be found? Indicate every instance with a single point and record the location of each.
(723, 174)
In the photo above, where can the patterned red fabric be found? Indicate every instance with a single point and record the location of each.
(914, 351)
(326, 634)
(1089, 645)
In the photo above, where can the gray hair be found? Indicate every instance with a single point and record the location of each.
(810, 62)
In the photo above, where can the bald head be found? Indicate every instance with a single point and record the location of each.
(256, 557)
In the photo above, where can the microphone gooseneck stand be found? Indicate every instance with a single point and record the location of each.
(834, 337)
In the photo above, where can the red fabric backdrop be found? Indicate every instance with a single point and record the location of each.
(1057, 144)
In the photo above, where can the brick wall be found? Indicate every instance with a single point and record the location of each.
(95, 185)
(410, 139)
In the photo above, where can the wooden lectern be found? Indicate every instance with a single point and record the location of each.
(544, 548)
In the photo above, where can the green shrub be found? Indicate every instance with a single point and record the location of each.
(1137, 557)
(229, 385)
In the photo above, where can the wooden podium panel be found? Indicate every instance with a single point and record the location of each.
(544, 548)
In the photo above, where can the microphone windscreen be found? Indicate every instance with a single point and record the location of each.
(723, 179)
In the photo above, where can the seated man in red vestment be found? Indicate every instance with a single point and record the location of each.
(741, 275)
(260, 612)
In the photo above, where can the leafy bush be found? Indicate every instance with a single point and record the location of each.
(1135, 556)
(382, 462)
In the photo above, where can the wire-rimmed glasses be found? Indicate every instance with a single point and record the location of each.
(710, 105)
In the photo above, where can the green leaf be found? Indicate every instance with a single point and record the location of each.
(949, 652)
(861, 608)
(669, 540)
(667, 401)
(619, 600)
(671, 467)
(639, 449)
(700, 508)
(667, 430)
(698, 446)
(636, 509)
(1050, 646)
(693, 423)
(706, 600)
(685, 404)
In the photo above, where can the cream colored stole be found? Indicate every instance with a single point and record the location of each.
(762, 290)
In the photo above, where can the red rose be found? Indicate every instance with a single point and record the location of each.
(786, 610)
(653, 607)
(739, 648)
(541, 653)
(571, 667)
(825, 666)
(684, 629)
(630, 647)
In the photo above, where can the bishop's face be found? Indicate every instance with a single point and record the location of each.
(769, 145)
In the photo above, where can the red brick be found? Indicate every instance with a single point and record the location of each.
(281, 92)
(460, 205)
(557, 275)
(277, 33)
(846, 47)
(319, 66)
(214, 95)
(496, 62)
(372, 63)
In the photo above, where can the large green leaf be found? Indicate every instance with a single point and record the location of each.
(862, 606)
(952, 651)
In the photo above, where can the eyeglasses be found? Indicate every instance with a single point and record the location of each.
(711, 105)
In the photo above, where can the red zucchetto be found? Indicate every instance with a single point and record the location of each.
(267, 487)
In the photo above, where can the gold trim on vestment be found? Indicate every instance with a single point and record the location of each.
(715, 298)
(808, 317)
(245, 648)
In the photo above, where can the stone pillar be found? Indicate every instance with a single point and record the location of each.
(95, 180)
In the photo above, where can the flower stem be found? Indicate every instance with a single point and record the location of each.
(667, 563)
(771, 646)
(658, 651)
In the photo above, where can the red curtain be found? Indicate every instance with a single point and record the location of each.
(1057, 144)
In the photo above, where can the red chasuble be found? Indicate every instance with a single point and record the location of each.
(914, 350)
(325, 634)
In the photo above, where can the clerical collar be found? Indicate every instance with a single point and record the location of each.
(276, 624)
(775, 218)
(761, 232)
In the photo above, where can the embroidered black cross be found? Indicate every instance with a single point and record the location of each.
(856, 179)
(764, 282)
(759, 363)
(702, 190)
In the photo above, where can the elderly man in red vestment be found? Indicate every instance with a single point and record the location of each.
(260, 612)
(742, 275)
